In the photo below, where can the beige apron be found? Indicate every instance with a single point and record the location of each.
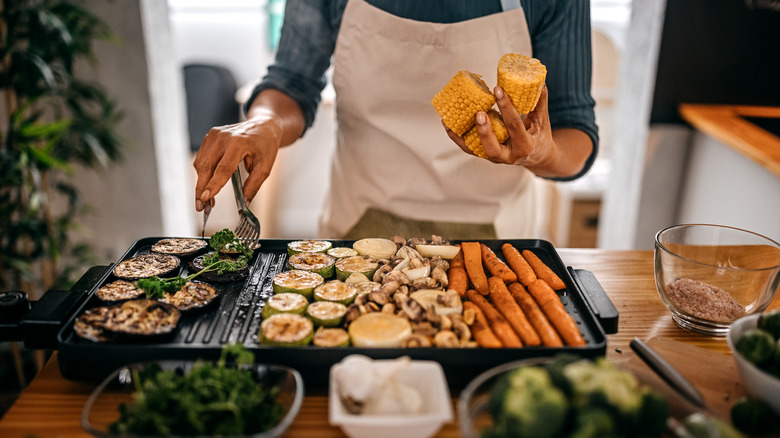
(392, 154)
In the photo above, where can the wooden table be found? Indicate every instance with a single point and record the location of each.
(51, 406)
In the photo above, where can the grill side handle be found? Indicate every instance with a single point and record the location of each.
(39, 325)
(596, 298)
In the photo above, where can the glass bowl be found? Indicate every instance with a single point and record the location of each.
(710, 275)
(102, 406)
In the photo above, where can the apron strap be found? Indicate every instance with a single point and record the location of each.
(508, 5)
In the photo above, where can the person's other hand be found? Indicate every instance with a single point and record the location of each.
(255, 142)
(530, 141)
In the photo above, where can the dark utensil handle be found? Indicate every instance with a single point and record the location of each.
(667, 372)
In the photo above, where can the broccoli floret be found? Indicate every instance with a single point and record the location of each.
(652, 416)
(757, 345)
(601, 383)
(556, 367)
(528, 405)
(770, 322)
(753, 416)
(636, 410)
(593, 423)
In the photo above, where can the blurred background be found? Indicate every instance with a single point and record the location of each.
(178, 67)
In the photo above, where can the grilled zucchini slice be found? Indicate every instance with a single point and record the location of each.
(286, 330)
(336, 291)
(317, 262)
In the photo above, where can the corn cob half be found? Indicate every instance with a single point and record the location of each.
(522, 78)
(460, 100)
(472, 136)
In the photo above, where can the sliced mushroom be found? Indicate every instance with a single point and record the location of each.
(443, 322)
(388, 308)
(446, 339)
(389, 287)
(407, 252)
(399, 241)
(450, 298)
(353, 312)
(440, 275)
(379, 296)
(361, 299)
(424, 328)
(440, 262)
(372, 307)
(462, 330)
(438, 240)
(416, 240)
(412, 309)
(398, 276)
(416, 341)
(425, 283)
(380, 273)
(469, 315)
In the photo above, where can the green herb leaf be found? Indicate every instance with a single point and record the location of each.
(208, 399)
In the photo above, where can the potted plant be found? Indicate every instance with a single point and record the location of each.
(51, 120)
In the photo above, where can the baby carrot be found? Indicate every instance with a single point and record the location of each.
(507, 306)
(525, 274)
(472, 258)
(456, 276)
(543, 271)
(480, 329)
(535, 315)
(556, 313)
(498, 323)
(495, 266)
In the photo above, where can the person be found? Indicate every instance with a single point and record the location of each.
(395, 168)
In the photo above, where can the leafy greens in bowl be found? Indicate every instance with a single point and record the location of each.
(196, 398)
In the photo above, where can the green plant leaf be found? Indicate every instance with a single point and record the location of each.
(57, 127)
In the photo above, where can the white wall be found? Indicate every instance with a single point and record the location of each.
(234, 34)
(146, 194)
(722, 186)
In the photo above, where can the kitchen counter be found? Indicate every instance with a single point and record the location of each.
(728, 124)
(51, 405)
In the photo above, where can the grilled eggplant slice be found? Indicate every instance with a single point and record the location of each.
(89, 325)
(196, 265)
(118, 291)
(142, 319)
(183, 248)
(193, 295)
(147, 265)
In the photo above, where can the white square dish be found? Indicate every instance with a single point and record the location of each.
(428, 378)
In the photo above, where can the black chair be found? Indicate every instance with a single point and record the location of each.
(210, 92)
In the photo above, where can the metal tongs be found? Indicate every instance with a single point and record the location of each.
(248, 228)
(667, 372)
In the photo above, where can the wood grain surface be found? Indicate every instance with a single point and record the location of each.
(726, 123)
(51, 406)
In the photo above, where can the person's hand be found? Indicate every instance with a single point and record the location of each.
(255, 142)
(530, 143)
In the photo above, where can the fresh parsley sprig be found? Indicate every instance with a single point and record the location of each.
(226, 240)
(208, 399)
(156, 287)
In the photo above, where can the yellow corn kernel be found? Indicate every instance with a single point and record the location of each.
(499, 129)
(522, 78)
(460, 100)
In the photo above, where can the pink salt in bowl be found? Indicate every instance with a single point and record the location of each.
(708, 276)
